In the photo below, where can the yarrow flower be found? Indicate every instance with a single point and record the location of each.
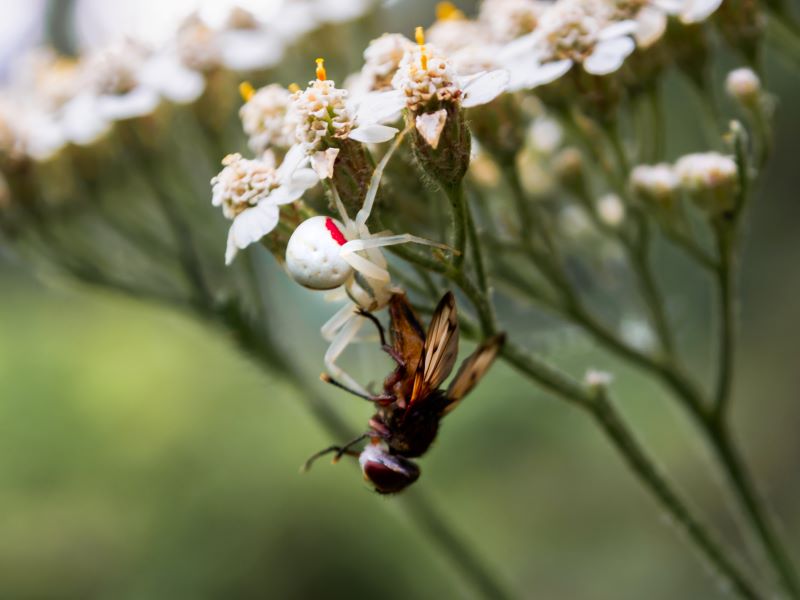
(381, 60)
(655, 183)
(266, 119)
(510, 19)
(325, 114)
(705, 170)
(428, 83)
(250, 193)
(571, 32)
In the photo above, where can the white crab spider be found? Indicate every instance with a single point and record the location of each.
(325, 253)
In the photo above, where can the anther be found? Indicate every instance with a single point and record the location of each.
(246, 90)
(447, 11)
(322, 75)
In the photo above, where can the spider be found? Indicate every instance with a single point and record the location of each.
(324, 253)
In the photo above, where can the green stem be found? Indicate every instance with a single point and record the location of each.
(754, 509)
(727, 311)
(458, 208)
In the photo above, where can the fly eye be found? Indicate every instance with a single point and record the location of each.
(313, 254)
(388, 474)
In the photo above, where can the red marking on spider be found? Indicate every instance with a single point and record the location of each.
(337, 235)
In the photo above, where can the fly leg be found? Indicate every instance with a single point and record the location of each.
(339, 451)
(382, 333)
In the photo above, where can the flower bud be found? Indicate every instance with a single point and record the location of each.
(655, 184)
(611, 210)
(711, 179)
(744, 86)
(569, 170)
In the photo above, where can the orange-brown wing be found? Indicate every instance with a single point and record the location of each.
(440, 351)
(408, 338)
(472, 370)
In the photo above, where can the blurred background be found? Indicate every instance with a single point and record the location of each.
(141, 456)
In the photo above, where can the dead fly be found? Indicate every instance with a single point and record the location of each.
(412, 405)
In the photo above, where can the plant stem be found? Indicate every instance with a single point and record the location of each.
(727, 326)
(754, 508)
(609, 420)
(434, 524)
(455, 194)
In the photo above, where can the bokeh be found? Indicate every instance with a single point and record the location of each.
(142, 456)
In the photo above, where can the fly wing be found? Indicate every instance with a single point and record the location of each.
(440, 351)
(407, 335)
(472, 370)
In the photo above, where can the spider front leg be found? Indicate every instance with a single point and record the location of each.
(368, 268)
(341, 340)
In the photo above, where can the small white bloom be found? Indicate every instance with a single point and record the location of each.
(571, 32)
(611, 210)
(266, 120)
(510, 19)
(743, 85)
(324, 111)
(706, 171)
(697, 11)
(381, 60)
(595, 378)
(546, 134)
(247, 44)
(250, 193)
(654, 182)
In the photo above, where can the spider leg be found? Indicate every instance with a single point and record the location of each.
(337, 321)
(378, 398)
(363, 265)
(390, 240)
(341, 340)
(375, 181)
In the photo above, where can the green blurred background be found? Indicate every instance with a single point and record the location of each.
(141, 456)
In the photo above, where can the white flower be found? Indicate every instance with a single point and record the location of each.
(324, 111)
(381, 60)
(743, 85)
(571, 32)
(598, 379)
(696, 11)
(265, 117)
(250, 193)
(654, 182)
(611, 210)
(546, 134)
(706, 171)
(510, 19)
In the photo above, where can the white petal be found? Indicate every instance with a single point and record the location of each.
(322, 162)
(608, 56)
(542, 74)
(294, 159)
(138, 102)
(81, 122)
(671, 7)
(250, 226)
(245, 50)
(430, 126)
(520, 47)
(484, 87)
(695, 11)
(294, 188)
(652, 25)
(167, 74)
(616, 30)
(372, 134)
(380, 107)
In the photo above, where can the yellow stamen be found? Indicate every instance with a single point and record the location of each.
(447, 11)
(294, 88)
(322, 75)
(423, 51)
(246, 90)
